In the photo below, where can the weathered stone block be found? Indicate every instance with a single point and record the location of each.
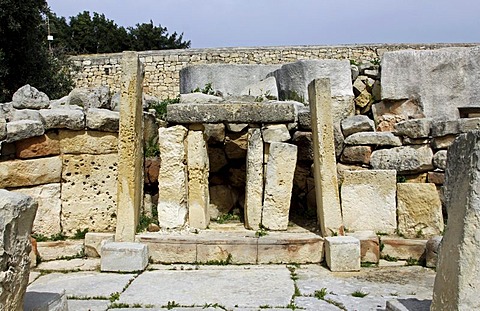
(39, 146)
(103, 119)
(169, 249)
(222, 200)
(440, 159)
(217, 159)
(63, 118)
(403, 249)
(369, 245)
(198, 170)
(94, 240)
(281, 164)
(254, 180)
(232, 248)
(443, 142)
(45, 301)
(443, 128)
(432, 249)
(437, 178)
(124, 257)
(236, 145)
(58, 249)
(373, 138)
(47, 218)
(419, 210)
(89, 192)
(92, 97)
(368, 200)
(303, 140)
(415, 128)
(342, 253)
(356, 154)
(28, 97)
(33, 172)
(18, 130)
(17, 212)
(269, 112)
(90, 142)
(457, 283)
(172, 177)
(405, 160)
(355, 124)
(215, 133)
(275, 133)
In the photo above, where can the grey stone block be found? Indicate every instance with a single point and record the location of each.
(124, 257)
(342, 253)
(45, 301)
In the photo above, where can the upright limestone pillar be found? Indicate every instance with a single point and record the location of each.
(130, 149)
(198, 169)
(457, 282)
(254, 182)
(325, 167)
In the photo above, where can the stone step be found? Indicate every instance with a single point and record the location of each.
(45, 301)
(234, 246)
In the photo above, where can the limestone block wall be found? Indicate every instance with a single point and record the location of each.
(162, 67)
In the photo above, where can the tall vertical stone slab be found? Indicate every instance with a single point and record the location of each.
(254, 182)
(198, 169)
(457, 282)
(325, 169)
(281, 165)
(130, 149)
(172, 177)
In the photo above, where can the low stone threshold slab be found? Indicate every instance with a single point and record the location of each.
(234, 244)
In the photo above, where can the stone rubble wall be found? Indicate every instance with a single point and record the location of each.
(162, 68)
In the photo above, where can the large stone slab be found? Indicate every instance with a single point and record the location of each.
(38, 146)
(103, 119)
(342, 253)
(47, 218)
(45, 301)
(457, 68)
(89, 192)
(419, 210)
(254, 180)
(130, 147)
(405, 159)
(19, 173)
(52, 250)
(198, 170)
(269, 112)
(368, 200)
(282, 160)
(91, 142)
(17, 212)
(457, 283)
(373, 138)
(293, 80)
(18, 130)
(227, 79)
(172, 177)
(123, 257)
(72, 119)
(325, 169)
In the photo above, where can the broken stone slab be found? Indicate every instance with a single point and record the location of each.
(236, 127)
(53, 250)
(275, 133)
(17, 212)
(394, 111)
(432, 251)
(457, 284)
(254, 183)
(457, 67)
(94, 240)
(404, 249)
(198, 172)
(265, 89)
(355, 124)
(342, 253)
(368, 200)
(442, 128)
(268, 112)
(405, 159)
(18, 130)
(26, 114)
(199, 98)
(419, 210)
(373, 138)
(28, 97)
(47, 218)
(20, 173)
(440, 159)
(232, 247)
(293, 80)
(227, 79)
(417, 128)
(89, 142)
(172, 177)
(38, 146)
(123, 257)
(102, 120)
(236, 145)
(279, 174)
(63, 118)
(468, 124)
(45, 301)
(92, 97)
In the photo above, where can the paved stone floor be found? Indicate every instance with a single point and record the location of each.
(232, 287)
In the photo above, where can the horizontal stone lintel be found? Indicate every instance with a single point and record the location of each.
(269, 112)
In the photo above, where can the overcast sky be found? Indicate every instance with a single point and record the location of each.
(229, 23)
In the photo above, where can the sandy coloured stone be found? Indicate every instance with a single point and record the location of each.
(20, 173)
(91, 142)
(355, 124)
(198, 171)
(89, 192)
(432, 249)
(457, 283)
(278, 185)
(52, 250)
(369, 245)
(443, 142)
(172, 177)
(38, 146)
(93, 242)
(130, 148)
(342, 253)
(401, 248)
(325, 170)
(368, 200)
(47, 218)
(419, 210)
(275, 133)
(103, 119)
(254, 181)
(215, 133)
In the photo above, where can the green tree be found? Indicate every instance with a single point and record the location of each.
(147, 36)
(24, 54)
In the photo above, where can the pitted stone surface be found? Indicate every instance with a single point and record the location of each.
(89, 192)
(90, 142)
